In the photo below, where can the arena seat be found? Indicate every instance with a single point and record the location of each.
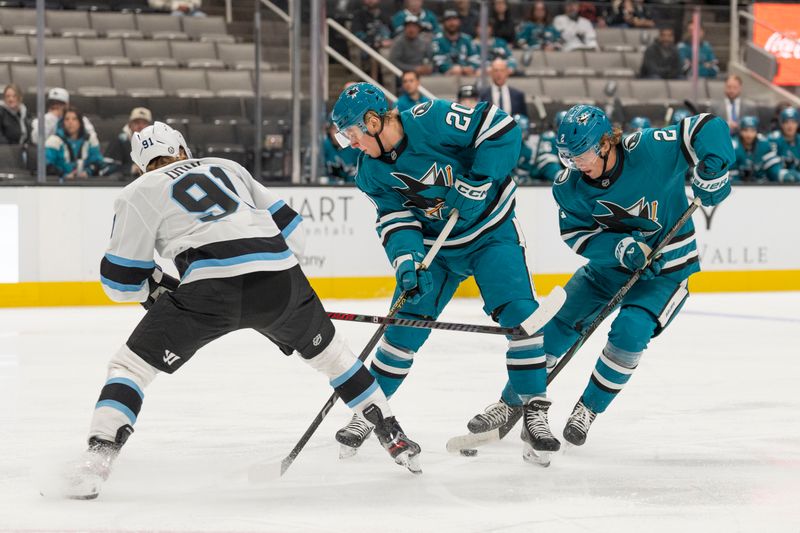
(89, 81)
(149, 52)
(230, 83)
(612, 39)
(195, 54)
(159, 26)
(107, 51)
(570, 91)
(14, 49)
(69, 23)
(138, 82)
(654, 91)
(187, 83)
(25, 76)
(110, 24)
(206, 29)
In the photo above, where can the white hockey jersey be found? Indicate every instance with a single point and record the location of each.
(207, 215)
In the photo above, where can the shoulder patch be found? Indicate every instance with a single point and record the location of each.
(562, 177)
(631, 141)
(420, 109)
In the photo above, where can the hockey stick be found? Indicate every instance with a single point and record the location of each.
(470, 441)
(263, 472)
(424, 324)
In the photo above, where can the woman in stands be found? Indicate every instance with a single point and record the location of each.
(71, 151)
(14, 122)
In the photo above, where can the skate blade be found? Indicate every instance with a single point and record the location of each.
(347, 452)
(411, 462)
(536, 457)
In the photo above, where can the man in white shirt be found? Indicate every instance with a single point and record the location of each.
(732, 108)
(509, 99)
(577, 32)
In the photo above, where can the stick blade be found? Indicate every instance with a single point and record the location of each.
(471, 441)
(548, 307)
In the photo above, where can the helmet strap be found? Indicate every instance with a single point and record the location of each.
(377, 136)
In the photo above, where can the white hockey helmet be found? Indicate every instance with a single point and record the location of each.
(156, 141)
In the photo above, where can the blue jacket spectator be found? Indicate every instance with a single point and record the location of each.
(538, 33)
(453, 51)
(72, 152)
(708, 65)
(427, 20)
(411, 95)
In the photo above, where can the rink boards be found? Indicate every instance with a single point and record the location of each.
(52, 239)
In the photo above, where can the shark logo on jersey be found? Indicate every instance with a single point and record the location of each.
(428, 192)
(420, 109)
(620, 219)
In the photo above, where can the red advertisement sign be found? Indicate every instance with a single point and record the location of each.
(778, 32)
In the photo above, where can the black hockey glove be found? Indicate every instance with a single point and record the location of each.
(159, 284)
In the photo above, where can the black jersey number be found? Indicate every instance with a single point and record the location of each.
(199, 193)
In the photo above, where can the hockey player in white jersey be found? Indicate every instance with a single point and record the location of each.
(235, 245)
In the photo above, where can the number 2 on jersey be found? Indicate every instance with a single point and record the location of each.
(199, 193)
(458, 120)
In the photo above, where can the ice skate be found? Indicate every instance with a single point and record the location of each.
(539, 442)
(499, 415)
(578, 424)
(84, 479)
(352, 436)
(403, 450)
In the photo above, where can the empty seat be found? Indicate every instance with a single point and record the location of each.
(206, 28)
(25, 76)
(114, 24)
(171, 105)
(634, 60)
(89, 81)
(538, 65)
(234, 83)
(599, 87)
(149, 53)
(70, 23)
(185, 83)
(14, 49)
(212, 108)
(57, 50)
(569, 63)
(715, 89)
(612, 39)
(567, 90)
(160, 26)
(114, 106)
(140, 82)
(103, 51)
(610, 64)
(5, 75)
(654, 91)
(20, 21)
(441, 86)
(239, 56)
(639, 38)
(196, 54)
(683, 90)
(530, 87)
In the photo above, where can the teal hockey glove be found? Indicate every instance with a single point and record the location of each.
(711, 187)
(409, 278)
(467, 196)
(632, 252)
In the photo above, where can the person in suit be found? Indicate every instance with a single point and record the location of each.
(509, 99)
(733, 107)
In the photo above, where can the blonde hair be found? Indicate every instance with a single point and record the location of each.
(615, 137)
(164, 160)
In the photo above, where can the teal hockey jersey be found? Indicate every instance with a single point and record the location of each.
(442, 140)
(760, 163)
(538, 159)
(447, 53)
(645, 191)
(788, 151)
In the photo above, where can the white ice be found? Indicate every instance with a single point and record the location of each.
(706, 437)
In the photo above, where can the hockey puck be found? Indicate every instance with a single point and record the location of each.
(469, 453)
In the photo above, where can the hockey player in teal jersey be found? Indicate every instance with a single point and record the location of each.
(756, 159)
(340, 163)
(786, 141)
(538, 159)
(416, 167)
(617, 199)
(638, 124)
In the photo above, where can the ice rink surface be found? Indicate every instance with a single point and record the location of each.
(706, 436)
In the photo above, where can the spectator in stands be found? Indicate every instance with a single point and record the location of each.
(410, 51)
(14, 122)
(120, 148)
(577, 32)
(371, 26)
(341, 163)
(510, 100)
(55, 105)
(411, 95)
(708, 65)
(786, 141)
(629, 14)
(661, 59)
(179, 7)
(453, 51)
(467, 95)
(498, 49)
(470, 18)
(427, 20)
(502, 22)
(538, 32)
(732, 108)
(72, 152)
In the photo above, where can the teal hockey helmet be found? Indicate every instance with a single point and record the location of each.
(749, 121)
(351, 107)
(558, 118)
(639, 123)
(579, 134)
(790, 113)
(523, 122)
(679, 115)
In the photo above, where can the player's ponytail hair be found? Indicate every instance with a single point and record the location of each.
(615, 137)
